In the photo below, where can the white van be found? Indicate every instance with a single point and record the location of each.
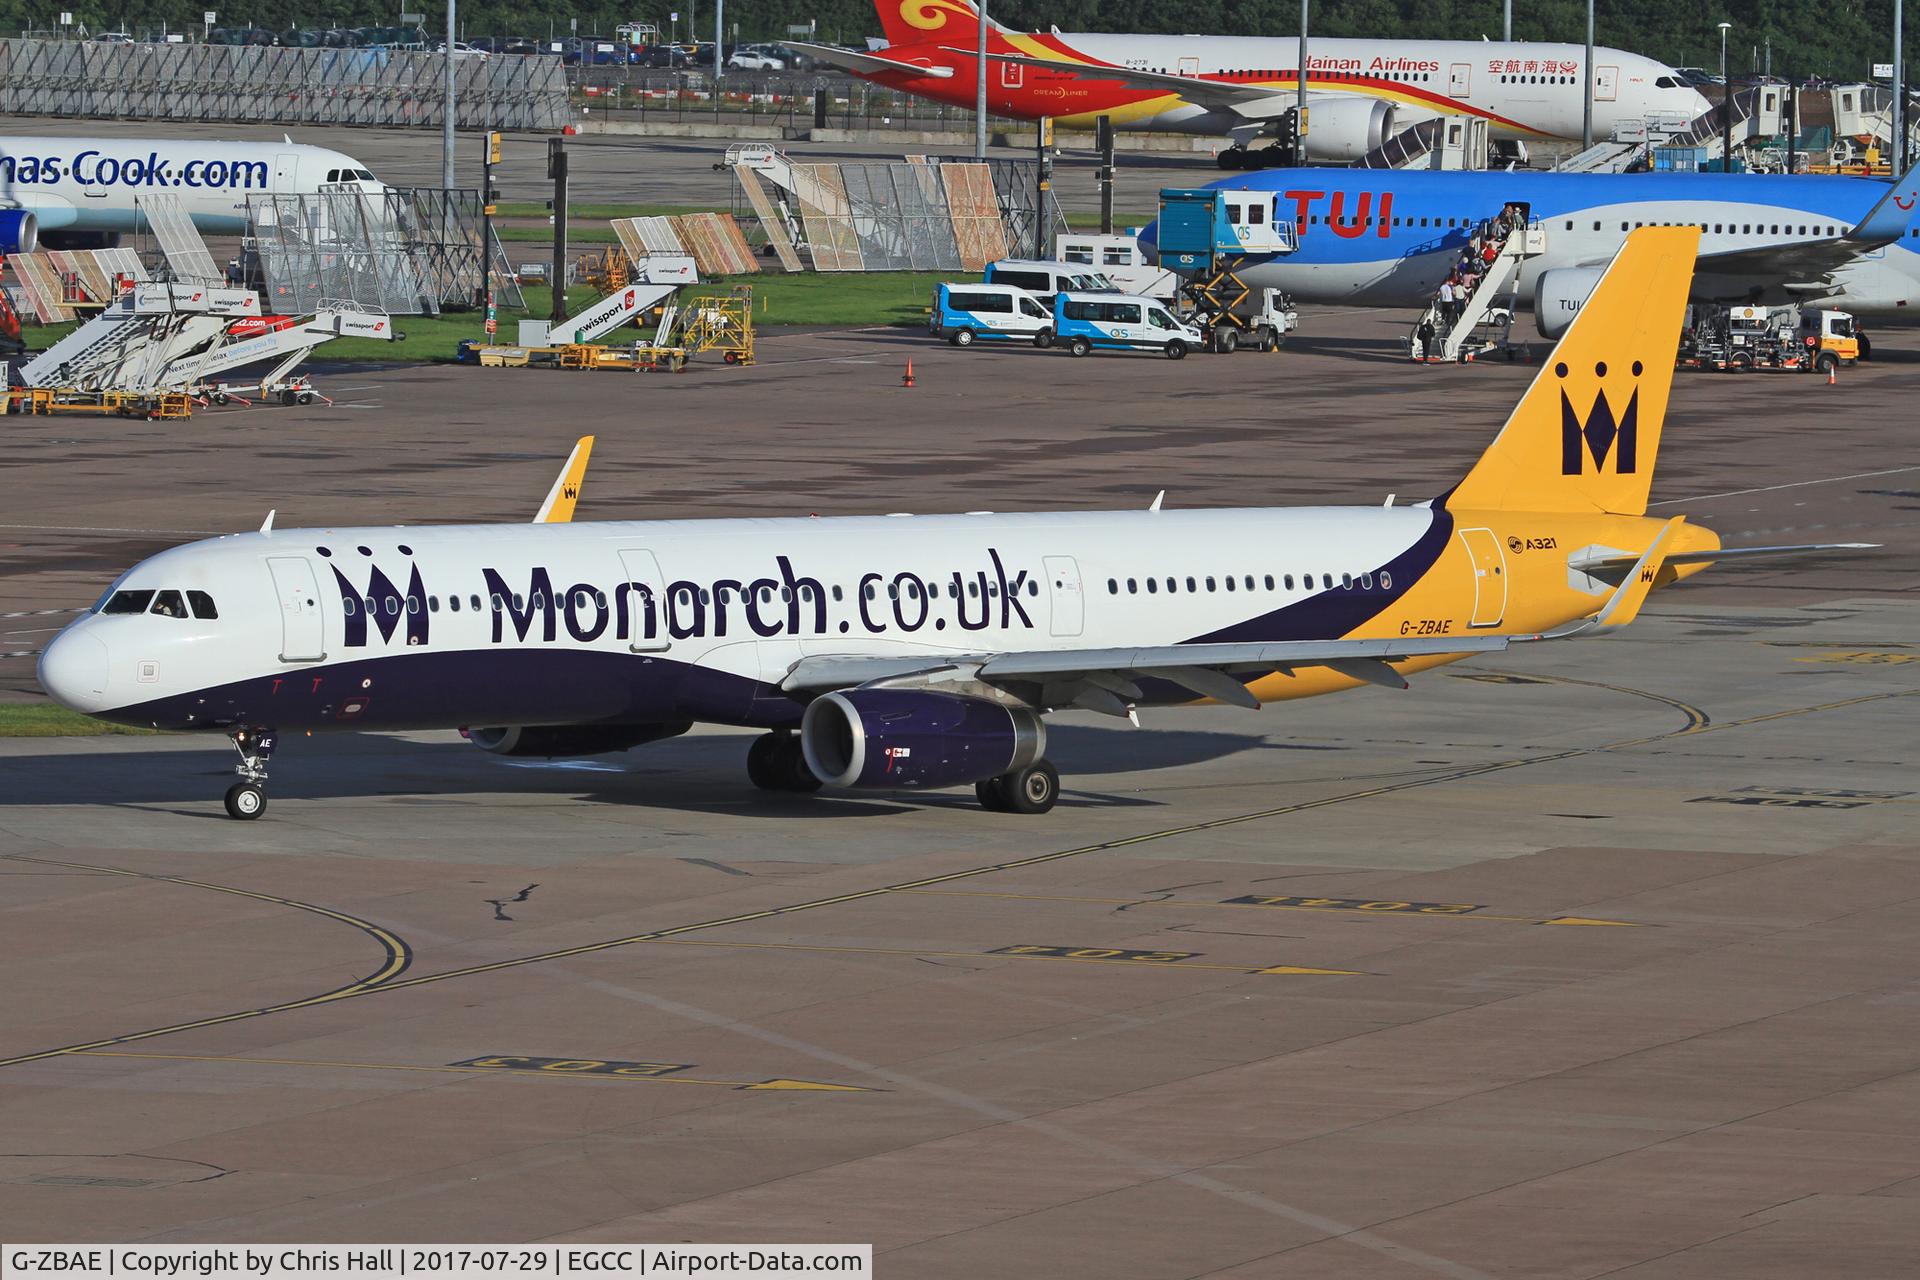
(1119, 259)
(1044, 279)
(963, 312)
(1084, 321)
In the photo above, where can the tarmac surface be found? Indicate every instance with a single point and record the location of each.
(1590, 959)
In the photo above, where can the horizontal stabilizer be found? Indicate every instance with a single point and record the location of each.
(1590, 564)
(867, 63)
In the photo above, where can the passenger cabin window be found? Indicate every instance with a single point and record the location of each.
(1001, 303)
(1038, 281)
(128, 602)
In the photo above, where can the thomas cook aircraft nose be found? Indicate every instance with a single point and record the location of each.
(74, 670)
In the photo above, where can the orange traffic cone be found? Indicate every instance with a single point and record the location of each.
(1831, 380)
(907, 381)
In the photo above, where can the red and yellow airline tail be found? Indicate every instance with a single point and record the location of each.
(947, 22)
(1585, 436)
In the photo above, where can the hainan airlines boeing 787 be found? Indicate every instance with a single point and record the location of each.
(913, 651)
(1360, 92)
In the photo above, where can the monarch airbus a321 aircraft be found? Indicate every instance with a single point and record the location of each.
(913, 651)
(1360, 92)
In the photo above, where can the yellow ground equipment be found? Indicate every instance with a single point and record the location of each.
(720, 323)
(608, 271)
(124, 404)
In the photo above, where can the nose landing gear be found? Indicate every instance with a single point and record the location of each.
(247, 798)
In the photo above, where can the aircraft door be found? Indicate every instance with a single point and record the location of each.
(302, 635)
(1489, 576)
(1460, 80)
(1606, 84)
(1012, 75)
(1067, 603)
(284, 167)
(1189, 67)
(643, 598)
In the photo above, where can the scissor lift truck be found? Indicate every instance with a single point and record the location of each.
(1208, 236)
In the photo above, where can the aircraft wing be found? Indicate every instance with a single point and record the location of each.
(1251, 101)
(1812, 261)
(1102, 679)
(866, 63)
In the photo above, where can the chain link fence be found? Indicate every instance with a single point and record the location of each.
(252, 84)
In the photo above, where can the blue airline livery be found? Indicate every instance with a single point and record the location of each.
(1373, 237)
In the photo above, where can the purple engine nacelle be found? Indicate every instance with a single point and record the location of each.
(914, 738)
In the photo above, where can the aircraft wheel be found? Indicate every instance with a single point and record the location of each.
(992, 794)
(246, 801)
(1233, 158)
(792, 764)
(763, 762)
(1079, 346)
(1032, 789)
(1176, 350)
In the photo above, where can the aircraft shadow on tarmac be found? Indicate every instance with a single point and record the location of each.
(705, 774)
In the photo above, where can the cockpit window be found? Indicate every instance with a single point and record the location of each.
(202, 604)
(128, 602)
(1665, 82)
(364, 176)
(169, 604)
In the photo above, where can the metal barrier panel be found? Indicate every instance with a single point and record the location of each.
(343, 246)
(251, 84)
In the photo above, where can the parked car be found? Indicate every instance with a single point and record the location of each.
(757, 57)
(114, 37)
(669, 55)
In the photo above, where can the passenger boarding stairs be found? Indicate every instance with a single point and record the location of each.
(1444, 142)
(655, 281)
(134, 341)
(286, 346)
(1485, 323)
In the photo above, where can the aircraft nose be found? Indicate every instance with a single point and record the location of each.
(1149, 241)
(74, 670)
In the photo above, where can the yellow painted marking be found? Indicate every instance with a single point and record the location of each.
(974, 955)
(1612, 924)
(1864, 657)
(1294, 968)
(778, 1082)
(1249, 906)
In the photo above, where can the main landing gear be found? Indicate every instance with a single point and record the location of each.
(247, 798)
(774, 763)
(1030, 790)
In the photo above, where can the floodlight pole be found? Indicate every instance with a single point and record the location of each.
(1726, 105)
(980, 89)
(1586, 96)
(1300, 99)
(446, 126)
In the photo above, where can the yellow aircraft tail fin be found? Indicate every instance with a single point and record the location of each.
(1585, 435)
(558, 508)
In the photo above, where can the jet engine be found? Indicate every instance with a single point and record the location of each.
(19, 231)
(1341, 130)
(560, 740)
(1558, 296)
(915, 738)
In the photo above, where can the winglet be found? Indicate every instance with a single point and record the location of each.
(266, 526)
(1887, 220)
(558, 508)
(1623, 606)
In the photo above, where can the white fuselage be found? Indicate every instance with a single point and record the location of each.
(567, 623)
(1523, 89)
(95, 184)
